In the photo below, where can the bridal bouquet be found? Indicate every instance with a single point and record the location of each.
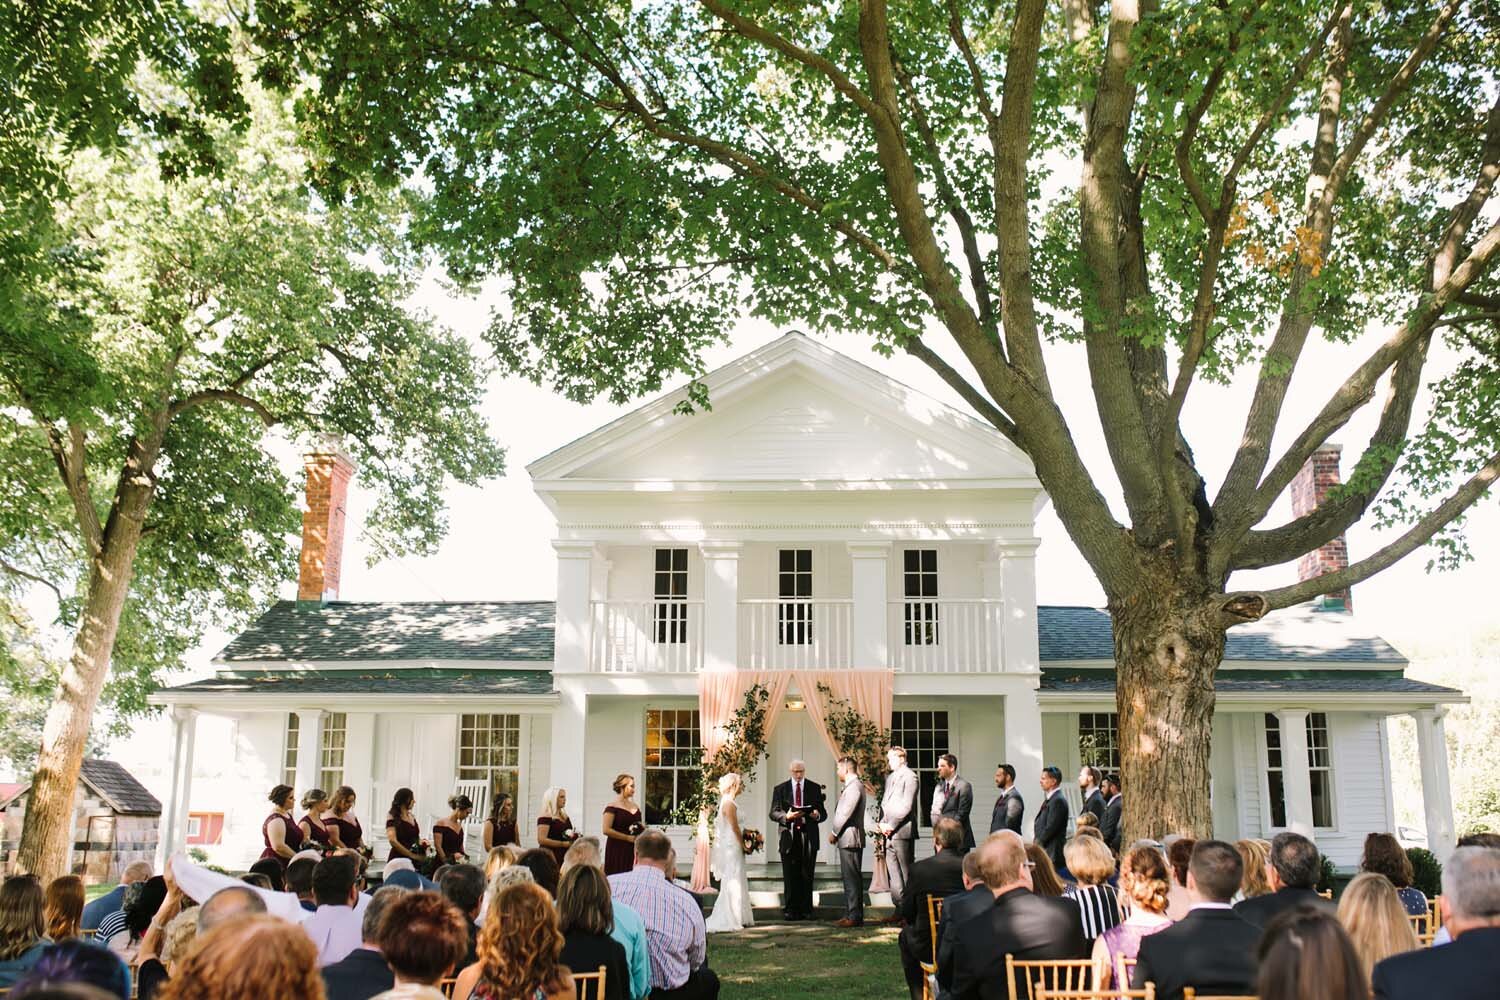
(751, 840)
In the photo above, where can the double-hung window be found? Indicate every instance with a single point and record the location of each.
(920, 587)
(670, 608)
(924, 736)
(331, 752)
(673, 765)
(794, 588)
(289, 749)
(489, 750)
(1319, 769)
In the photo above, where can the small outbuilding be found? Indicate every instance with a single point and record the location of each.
(115, 821)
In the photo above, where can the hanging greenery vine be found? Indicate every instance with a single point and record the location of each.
(857, 737)
(744, 746)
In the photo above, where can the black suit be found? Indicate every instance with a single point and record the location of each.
(1463, 970)
(957, 911)
(1109, 823)
(1022, 924)
(1260, 910)
(798, 844)
(941, 875)
(1010, 808)
(1211, 950)
(357, 976)
(957, 805)
(1051, 827)
(1094, 803)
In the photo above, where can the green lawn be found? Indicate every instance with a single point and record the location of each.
(811, 961)
(93, 892)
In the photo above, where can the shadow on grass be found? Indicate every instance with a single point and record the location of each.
(808, 962)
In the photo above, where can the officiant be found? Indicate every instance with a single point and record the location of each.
(797, 807)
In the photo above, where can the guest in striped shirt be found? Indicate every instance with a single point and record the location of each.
(1092, 864)
(676, 938)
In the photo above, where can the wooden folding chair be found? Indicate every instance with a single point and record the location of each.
(582, 979)
(445, 986)
(1434, 914)
(1124, 969)
(1421, 926)
(934, 914)
(1053, 974)
(1147, 993)
(1188, 993)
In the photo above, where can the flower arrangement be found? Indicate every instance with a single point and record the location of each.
(752, 840)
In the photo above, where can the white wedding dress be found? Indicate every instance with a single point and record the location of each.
(732, 909)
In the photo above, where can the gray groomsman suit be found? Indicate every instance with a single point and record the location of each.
(898, 808)
(849, 831)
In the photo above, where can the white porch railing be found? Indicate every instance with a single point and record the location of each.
(946, 636)
(796, 634)
(635, 637)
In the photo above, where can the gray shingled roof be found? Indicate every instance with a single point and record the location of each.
(118, 787)
(1292, 635)
(398, 630)
(1263, 682)
(405, 680)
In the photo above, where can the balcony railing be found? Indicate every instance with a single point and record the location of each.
(796, 634)
(648, 637)
(945, 636)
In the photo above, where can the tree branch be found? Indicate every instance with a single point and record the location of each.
(962, 386)
(226, 396)
(26, 575)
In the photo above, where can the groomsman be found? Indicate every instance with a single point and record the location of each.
(1009, 807)
(1089, 780)
(898, 821)
(1110, 824)
(954, 797)
(797, 807)
(1051, 827)
(849, 836)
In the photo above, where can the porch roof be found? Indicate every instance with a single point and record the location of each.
(404, 680)
(1266, 682)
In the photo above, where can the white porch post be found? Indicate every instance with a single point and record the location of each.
(1023, 746)
(721, 605)
(184, 740)
(309, 748)
(870, 646)
(1296, 782)
(574, 625)
(359, 755)
(568, 745)
(1437, 796)
(1020, 644)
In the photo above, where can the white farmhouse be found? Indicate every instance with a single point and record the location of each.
(820, 519)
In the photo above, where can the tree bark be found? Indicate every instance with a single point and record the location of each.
(1169, 641)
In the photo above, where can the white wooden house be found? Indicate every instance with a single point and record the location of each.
(820, 517)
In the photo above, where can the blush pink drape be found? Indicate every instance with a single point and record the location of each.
(868, 692)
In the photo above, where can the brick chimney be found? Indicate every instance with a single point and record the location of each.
(328, 473)
(1314, 480)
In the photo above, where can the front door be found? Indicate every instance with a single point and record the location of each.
(795, 739)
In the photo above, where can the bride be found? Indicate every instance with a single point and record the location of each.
(732, 910)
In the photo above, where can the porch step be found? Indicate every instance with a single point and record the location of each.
(766, 897)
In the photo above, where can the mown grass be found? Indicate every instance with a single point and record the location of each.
(808, 961)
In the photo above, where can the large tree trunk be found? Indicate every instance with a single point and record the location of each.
(1167, 646)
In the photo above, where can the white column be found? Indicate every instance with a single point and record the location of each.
(871, 638)
(1020, 644)
(1296, 783)
(309, 749)
(574, 625)
(1437, 796)
(721, 605)
(184, 740)
(1023, 747)
(359, 755)
(568, 741)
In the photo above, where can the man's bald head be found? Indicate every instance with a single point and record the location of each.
(1001, 861)
(226, 904)
(136, 871)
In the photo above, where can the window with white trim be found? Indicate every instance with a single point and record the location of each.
(920, 587)
(1319, 769)
(489, 749)
(794, 586)
(289, 753)
(331, 755)
(670, 609)
(194, 827)
(673, 764)
(925, 737)
(1099, 741)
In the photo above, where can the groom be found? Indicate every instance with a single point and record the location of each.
(849, 834)
(797, 806)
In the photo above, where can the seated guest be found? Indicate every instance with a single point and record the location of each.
(586, 919)
(363, 972)
(941, 875)
(299, 876)
(544, 868)
(1305, 954)
(1085, 821)
(518, 951)
(279, 832)
(1253, 857)
(141, 904)
(1179, 852)
(76, 961)
(1144, 880)
(62, 905)
(156, 968)
(1293, 873)
(255, 957)
(226, 904)
(112, 901)
(975, 899)
(1375, 920)
(1465, 969)
(675, 931)
(315, 833)
(463, 886)
(629, 929)
(423, 938)
(1093, 866)
(1020, 923)
(448, 832)
(1489, 840)
(1384, 855)
(334, 928)
(1044, 877)
(499, 857)
(1212, 948)
(273, 871)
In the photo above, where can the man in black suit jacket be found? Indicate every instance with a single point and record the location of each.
(1090, 780)
(1212, 949)
(1009, 807)
(1293, 870)
(953, 798)
(1464, 969)
(941, 875)
(1051, 827)
(958, 909)
(1109, 823)
(1019, 923)
(363, 973)
(797, 807)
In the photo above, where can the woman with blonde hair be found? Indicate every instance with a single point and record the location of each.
(248, 958)
(1376, 921)
(1145, 881)
(732, 910)
(622, 821)
(344, 829)
(1092, 863)
(23, 928)
(1254, 857)
(315, 832)
(518, 951)
(63, 905)
(554, 830)
(1044, 880)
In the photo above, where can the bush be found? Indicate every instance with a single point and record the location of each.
(1427, 871)
(1326, 873)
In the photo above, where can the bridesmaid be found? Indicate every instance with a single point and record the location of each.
(554, 830)
(448, 833)
(314, 831)
(282, 835)
(622, 821)
(343, 828)
(500, 828)
(402, 830)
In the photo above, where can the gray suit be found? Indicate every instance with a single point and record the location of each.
(898, 808)
(849, 834)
